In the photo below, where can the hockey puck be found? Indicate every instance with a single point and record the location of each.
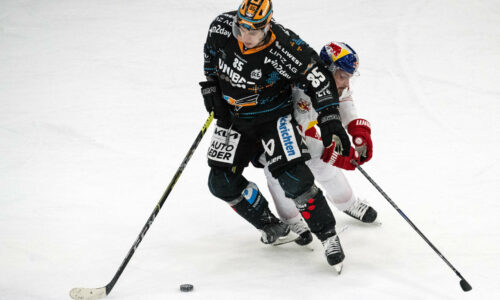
(186, 287)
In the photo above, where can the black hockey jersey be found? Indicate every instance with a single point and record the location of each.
(256, 83)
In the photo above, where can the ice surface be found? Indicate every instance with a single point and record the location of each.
(99, 103)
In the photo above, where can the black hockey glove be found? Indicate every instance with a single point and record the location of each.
(212, 97)
(332, 129)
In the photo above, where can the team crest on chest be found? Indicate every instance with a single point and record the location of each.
(303, 106)
(256, 74)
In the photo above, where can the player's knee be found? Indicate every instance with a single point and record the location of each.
(226, 185)
(296, 180)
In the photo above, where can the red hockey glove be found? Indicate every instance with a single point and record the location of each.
(360, 131)
(344, 162)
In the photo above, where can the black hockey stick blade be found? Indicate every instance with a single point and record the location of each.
(465, 285)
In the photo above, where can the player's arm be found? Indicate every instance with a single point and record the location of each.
(210, 89)
(320, 87)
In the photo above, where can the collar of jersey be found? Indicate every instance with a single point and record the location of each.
(257, 49)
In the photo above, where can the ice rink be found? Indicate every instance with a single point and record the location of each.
(99, 103)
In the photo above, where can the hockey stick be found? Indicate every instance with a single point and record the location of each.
(463, 283)
(97, 293)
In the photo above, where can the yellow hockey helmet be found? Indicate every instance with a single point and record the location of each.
(254, 14)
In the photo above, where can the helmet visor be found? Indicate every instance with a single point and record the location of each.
(249, 36)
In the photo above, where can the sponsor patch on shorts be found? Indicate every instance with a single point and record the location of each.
(287, 138)
(223, 145)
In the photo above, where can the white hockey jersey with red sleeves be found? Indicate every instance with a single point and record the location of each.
(306, 116)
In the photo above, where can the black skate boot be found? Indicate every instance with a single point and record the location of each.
(252, 206)
(333, 252)
(315, 211)
(362, 211)
(273, 228)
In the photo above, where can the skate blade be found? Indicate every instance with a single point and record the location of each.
(338, 267)
(289, 238)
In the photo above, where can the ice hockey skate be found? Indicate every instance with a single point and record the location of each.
(275, 231)
(334, 253)
(362, 211)
(304, 234)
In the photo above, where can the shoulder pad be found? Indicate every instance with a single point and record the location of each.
(291, 43)
(221, 26)
(294, 42)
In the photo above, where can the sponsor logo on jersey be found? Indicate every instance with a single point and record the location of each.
(268, 147)
(324, 93)
(242, 102)
(218, 29)
(256, 74)
(229, 74)
(289, 55)
(228, 79)
(283, 60)
(287, 138)
(229, 22)
(279, 68)
(278, 55)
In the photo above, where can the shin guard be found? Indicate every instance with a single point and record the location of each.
(252, 206)
(316, 212)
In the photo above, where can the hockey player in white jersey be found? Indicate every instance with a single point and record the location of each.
(343, 62)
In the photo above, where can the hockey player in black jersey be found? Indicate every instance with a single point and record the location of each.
(250, 64)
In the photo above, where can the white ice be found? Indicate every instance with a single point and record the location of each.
(99, 103)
